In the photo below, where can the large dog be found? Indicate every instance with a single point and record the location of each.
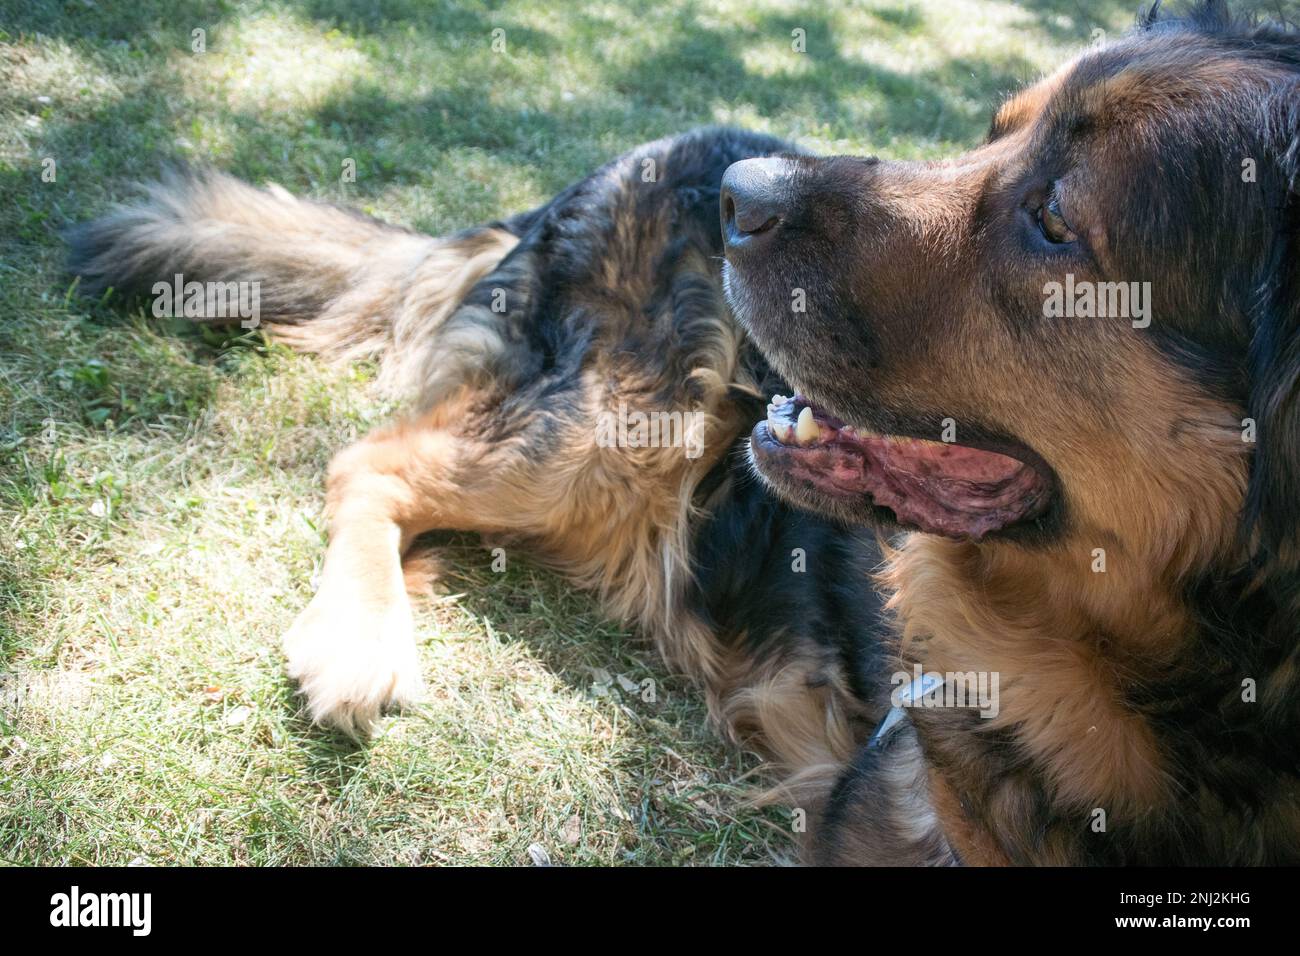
(1060, 373)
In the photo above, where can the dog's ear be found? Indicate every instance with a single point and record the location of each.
(1207, 14)
(1150, 16)
(1272, 514)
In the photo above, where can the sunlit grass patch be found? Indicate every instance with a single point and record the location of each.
(271, 62)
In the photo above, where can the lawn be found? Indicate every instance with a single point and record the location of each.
(160, 485)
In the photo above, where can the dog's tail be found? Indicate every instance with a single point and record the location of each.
(327, 279)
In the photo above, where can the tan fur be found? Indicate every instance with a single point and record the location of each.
(1066, 639)
(402, 305)
(974, 846)
(801, 715)
(1021, 110)
(1153, 88)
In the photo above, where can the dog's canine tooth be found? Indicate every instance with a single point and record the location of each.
(806, 430)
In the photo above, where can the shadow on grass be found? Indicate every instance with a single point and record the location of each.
(520, 604)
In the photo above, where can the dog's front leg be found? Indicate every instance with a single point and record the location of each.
(352, 649)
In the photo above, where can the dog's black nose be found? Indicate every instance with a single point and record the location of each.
(756, 196)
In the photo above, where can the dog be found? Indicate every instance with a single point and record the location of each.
(1028, 427)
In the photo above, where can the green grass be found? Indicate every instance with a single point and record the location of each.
(160, 485)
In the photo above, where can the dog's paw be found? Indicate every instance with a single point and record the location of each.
(352, 663)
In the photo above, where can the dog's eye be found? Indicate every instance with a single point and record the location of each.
(1052, 222)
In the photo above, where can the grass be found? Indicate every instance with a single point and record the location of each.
(160, 485)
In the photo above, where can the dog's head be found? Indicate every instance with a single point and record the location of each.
(1086, 326)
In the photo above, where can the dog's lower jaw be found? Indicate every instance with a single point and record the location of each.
(353, 658)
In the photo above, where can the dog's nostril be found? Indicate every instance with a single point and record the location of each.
(755, 195)
(745, 220)
(752, 213)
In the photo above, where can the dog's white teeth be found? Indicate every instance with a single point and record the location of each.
(806, 429)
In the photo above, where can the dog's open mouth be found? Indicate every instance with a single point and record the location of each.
(933, 486)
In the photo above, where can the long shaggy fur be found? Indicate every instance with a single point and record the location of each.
(333, 281)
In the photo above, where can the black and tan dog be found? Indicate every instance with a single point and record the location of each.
(1098, 509)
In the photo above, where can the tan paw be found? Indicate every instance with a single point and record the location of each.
(353, 662)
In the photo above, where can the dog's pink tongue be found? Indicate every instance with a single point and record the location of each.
(940, 488)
